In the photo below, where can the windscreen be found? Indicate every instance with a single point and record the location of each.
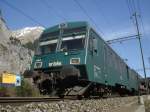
(71, 39)
(73, 42)
(48, 46)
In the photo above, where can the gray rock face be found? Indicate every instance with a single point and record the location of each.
(16, 58)
(4, 32)
(13, 56)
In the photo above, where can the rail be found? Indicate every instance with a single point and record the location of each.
(12, 100)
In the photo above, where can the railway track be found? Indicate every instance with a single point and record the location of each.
(23, 100)
(20, 100)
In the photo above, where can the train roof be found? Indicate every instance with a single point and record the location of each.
(70, 25)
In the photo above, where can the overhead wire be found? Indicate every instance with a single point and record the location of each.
(129, 7)
(135, 11)
(134, 7)
(90, 18)
(22, 12)
(121, 39)
(141, 17)
(103, 15)
(132, 10)
(51, 8)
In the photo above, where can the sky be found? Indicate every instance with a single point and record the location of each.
(110, 18)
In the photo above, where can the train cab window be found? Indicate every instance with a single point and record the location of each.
(48, 46)
(74, 42)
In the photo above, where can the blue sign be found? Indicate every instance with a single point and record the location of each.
(18, 80)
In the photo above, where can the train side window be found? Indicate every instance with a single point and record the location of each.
(127, 71)
(110, 61)
(95, 47)
(90, 44)
(116, 64)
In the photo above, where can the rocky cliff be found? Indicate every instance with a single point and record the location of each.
(14, 56)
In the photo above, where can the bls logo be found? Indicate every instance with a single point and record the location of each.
(56, 63)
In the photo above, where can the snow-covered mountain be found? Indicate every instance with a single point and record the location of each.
(28, 34)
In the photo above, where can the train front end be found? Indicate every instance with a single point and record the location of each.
(59, 62)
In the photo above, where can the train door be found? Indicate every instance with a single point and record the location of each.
(91, 57)
(105, 72)
(96, 58)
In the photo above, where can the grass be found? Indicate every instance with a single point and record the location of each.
(25, 90)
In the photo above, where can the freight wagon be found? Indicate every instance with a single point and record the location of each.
(73, 59)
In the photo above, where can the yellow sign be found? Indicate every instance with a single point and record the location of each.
(8, 78)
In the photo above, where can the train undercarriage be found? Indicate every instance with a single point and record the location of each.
(68, 81)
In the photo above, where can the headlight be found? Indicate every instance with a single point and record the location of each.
(38, 65)
(75, 61)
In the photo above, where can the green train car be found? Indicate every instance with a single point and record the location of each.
(72, 59)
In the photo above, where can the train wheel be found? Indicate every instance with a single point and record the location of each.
(79, 97)
(61, 96)
(101, 94)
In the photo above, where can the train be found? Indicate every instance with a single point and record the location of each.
(73, 59)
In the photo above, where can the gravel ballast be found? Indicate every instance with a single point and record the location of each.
(93, 105)
(147, 105)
